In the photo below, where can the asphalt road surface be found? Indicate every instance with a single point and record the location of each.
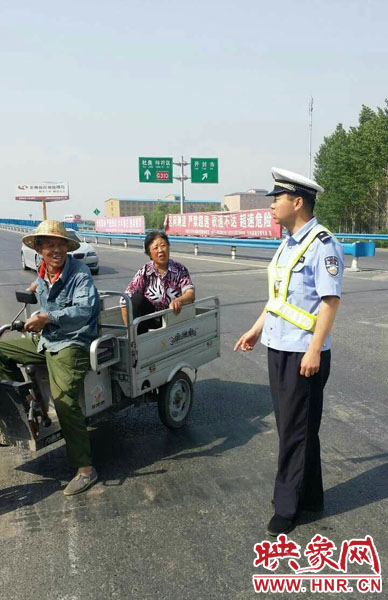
(176, 515)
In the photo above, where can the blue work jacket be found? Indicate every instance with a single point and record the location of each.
(73, 305)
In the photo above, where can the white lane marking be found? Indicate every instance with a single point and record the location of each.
(369, 323)
(149, 493)
(229, 273)
(188, 256)
(375, 275)
(72, 548)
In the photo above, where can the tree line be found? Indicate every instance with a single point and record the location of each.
(155, 220)
(352, 167)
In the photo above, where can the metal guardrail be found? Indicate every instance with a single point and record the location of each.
(356, 249)
(362, 236)
(344, 236)
(27, 223)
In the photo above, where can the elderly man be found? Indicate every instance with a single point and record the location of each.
(304, 291)
(66, 326)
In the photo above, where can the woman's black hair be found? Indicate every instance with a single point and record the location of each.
(151, 236)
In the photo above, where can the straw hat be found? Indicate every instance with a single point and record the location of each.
(50, 229)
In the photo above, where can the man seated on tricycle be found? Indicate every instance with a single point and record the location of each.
(61, 336)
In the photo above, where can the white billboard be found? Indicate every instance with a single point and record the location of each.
(43, 190)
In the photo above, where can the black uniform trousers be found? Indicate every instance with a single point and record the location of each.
(297, 402)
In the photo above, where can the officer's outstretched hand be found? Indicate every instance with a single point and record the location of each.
(247, 341)
(310, 362)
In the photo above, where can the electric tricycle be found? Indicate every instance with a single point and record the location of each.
(126, 368)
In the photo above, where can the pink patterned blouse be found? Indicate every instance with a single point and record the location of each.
(161, 289)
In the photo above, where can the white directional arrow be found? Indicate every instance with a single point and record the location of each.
(204, 176)
(147, 174)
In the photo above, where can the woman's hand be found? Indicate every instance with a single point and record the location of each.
(187, 298)
(176, 305)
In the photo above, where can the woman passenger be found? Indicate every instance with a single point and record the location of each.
(161, 283)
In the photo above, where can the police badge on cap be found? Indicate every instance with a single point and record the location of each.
(287, 182)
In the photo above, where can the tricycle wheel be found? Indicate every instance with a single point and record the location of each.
(176, 401)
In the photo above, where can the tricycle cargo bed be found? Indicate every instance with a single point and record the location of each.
(148, 360)
(189, 340)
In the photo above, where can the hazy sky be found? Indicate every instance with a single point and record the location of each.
(89, 86)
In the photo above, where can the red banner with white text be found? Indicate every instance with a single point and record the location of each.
(120, 224)
(243, 224)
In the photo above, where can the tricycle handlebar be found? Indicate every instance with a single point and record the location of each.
(15, 326)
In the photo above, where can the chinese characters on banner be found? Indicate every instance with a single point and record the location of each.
(120, 224)
(243, 224)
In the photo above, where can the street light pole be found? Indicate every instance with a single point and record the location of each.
(310, 132)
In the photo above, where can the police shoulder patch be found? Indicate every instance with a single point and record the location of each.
(324, 236)
(332, 265)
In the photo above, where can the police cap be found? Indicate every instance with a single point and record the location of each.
(287, 182)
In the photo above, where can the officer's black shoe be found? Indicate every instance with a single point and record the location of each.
(279, 524)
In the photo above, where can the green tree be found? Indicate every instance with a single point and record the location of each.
(332, 172)
(156, 219)
(352, 167)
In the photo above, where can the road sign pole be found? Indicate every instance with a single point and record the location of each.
(182, 164)
(182, 185)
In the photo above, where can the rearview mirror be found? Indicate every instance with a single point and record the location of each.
(26, 297)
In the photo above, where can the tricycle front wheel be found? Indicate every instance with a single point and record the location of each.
(176, 401)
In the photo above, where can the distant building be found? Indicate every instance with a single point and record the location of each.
(247, 200)
(126, 207)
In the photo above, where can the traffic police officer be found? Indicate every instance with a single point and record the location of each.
(304, 279)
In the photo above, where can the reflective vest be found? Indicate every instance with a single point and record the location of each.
(279, 279)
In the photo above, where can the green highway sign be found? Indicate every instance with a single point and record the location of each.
(204, 170)
(155, 169)
(96, 212)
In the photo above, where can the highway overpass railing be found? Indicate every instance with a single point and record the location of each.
(362, 236)
(356, 249)
(26, 224)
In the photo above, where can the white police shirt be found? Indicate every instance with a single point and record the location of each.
(317, 274)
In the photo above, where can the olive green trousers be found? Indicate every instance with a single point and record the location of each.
(67, 369)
